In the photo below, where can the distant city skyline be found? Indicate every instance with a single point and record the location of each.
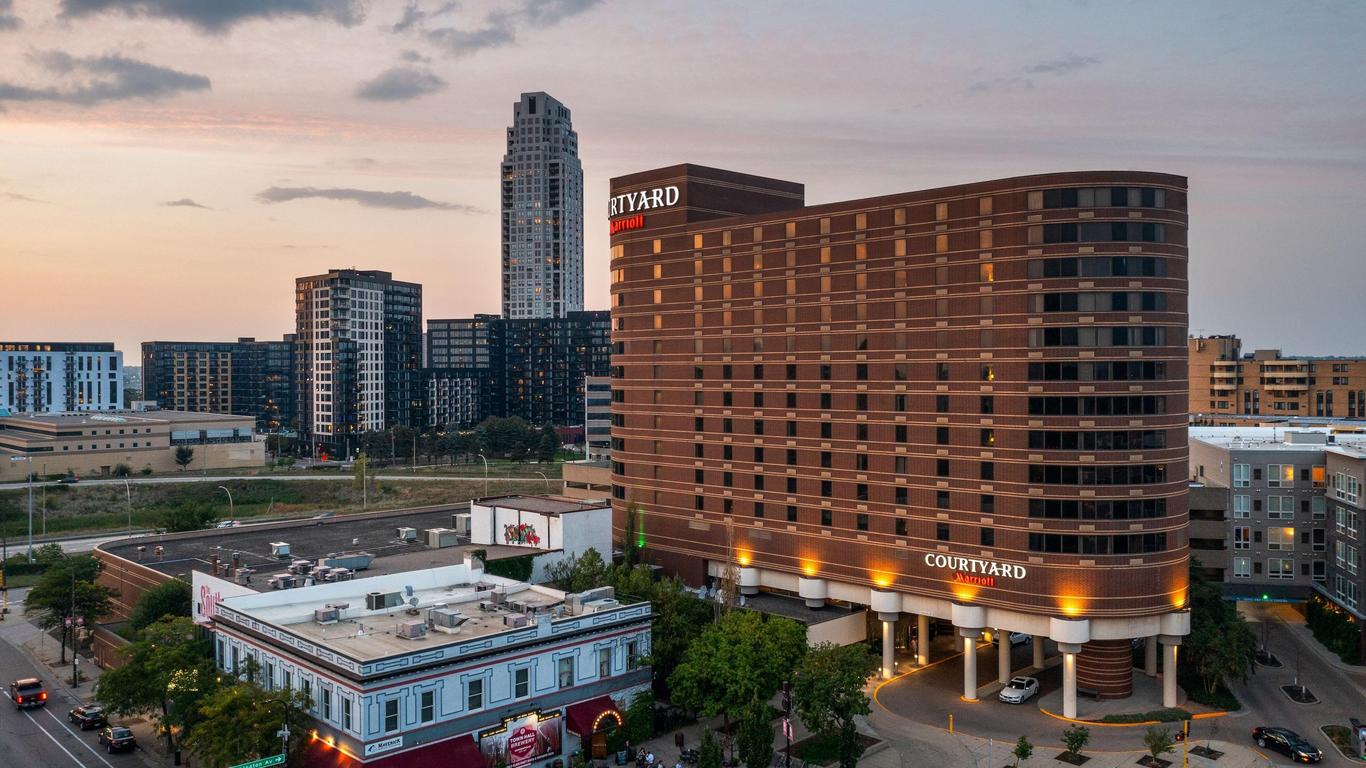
(166, 172)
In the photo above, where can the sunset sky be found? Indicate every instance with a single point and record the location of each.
(167, 168)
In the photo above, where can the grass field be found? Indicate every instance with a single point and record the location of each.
(91, 509)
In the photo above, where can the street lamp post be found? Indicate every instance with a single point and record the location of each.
(546, 479)
(224, 489)
(29, 475)
(284, 727)
(486, 474)
(128, 492)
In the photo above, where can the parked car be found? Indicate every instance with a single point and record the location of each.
(1287, 742)
(69, 479)
(1019, 690)
(28, 692)
(87, 716)
(227, 524)
(116, 738)
(1016, 638)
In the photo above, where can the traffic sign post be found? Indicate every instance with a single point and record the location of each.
(264, 762)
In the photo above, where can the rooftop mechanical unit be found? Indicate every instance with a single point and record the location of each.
(279, 549)
(243, 575)
(515, 620)
(407, 534)
(605, 604)
(440, 538)
(382, 601)
(460, 521)
(284, 581)
(412, 630)
(446, 620)
(328, 615)
(301, 567)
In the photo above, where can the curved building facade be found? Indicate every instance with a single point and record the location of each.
(966, 403)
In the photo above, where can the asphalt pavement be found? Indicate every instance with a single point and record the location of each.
(190, 477)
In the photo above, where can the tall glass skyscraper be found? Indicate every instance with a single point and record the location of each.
(542, 210)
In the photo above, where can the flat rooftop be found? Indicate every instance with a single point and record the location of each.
(366, 634)
(795, 608)
(545, 505)
(308, 539)
(1277, 438)
(120, 418)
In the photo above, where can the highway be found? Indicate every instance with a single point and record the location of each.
(193, 478)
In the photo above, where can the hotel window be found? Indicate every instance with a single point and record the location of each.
(346, 714)
(565, 671)
(941, 371)
(899, 248)
(861, 521)
(901, 526)
(1280, 568)
(988, 470)
(633, 646)
(1242, 505)
(984, 239)
(941, 435)
(1280, 507)
(941, 531)
(1242, 537)
(791, 513)
(1280, 539)
(521, 682)
(390, 715)
(988, 537)
(427, 711)
(825, 226)
(1241, 476)
(984, 206)
(604, 662)
(696, 243)
(1280, 475)
(941, 499)
(861, 221)
(941, 243)
(1242, 567)
(1319, 475)
(941, 211)
(986, 272)
(1318, 505)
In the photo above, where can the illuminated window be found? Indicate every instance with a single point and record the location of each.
(899, 216)
(658, 245)
(941, 211)
(986, 272)
(791, 229)
(941, 243)
(1280, 539)
(984, 206)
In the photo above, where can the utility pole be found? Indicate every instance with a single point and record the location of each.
(128, 491)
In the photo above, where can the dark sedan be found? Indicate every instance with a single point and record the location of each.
(1288, 743)
(116, 738)
(87, 716)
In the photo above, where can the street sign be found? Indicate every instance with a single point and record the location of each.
(263, 762)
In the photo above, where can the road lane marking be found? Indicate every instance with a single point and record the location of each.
(78, 738)
(31, 719)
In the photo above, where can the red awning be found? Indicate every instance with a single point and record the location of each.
(587, 717)
(460, 751)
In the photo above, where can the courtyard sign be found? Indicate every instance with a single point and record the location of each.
(972, 570)
(644, 200)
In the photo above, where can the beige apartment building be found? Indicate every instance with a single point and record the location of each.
(94, 444)
(1225, 381)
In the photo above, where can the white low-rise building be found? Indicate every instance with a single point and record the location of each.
(552, 527)
(476, 667)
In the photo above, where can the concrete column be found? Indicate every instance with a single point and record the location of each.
(1150, 656)
(888, 644)
(969, 640)
(922, 643)
(1069, 678)
(1170, 644)
(1038, 641)
(1002, 656)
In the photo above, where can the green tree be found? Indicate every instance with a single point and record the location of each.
(829, 692)
(754, 740)
(1023, 750)
(505, 437)
(187, 516)
(360, 469)
(548, 444)
(67, 589)
(1159, 741)
(165, 675)
(183, 456)
(1221, 646)
(169, 598)
(121, 470)
(680, 618)
(1074, 739)
(579, 573)
(709, 752)
(241, 722)
(640, 718)
(741, 659)
(633, 540)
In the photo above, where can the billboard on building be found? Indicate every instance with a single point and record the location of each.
(208, 591)
(522, 739)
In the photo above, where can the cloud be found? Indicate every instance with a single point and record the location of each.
(400, 84)
(402, 201)
(1062, 66)
(18, 198)
(109, 78)
(499, 27)
(413, 15)
(184, 202)
(415, 57)
(218, 16)
(7, 18)
(1001, 84)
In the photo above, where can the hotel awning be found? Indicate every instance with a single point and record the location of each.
(589, 717)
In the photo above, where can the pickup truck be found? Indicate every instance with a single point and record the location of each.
(28, 692)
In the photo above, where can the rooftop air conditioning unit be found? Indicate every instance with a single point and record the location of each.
(517, 606)
(279, 549)
(487, 605)
(446, 620)
(301, 567)
(341, 574)
(407, 534)
(461, 522)
(244, 575)
(328, 615)
(381, 601)
(606, 604)
(440, 538)
(412, 630)
(514, 620)
(499, 595)
(283, 581)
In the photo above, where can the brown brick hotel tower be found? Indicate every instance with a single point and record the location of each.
(965, 403)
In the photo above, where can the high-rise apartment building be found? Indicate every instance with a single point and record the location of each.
(965, 403)
(244, 377)
(358, 354)
(542, 212)
(55, 377)
(1225, 381)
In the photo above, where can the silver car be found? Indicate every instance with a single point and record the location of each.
(1019, 689)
